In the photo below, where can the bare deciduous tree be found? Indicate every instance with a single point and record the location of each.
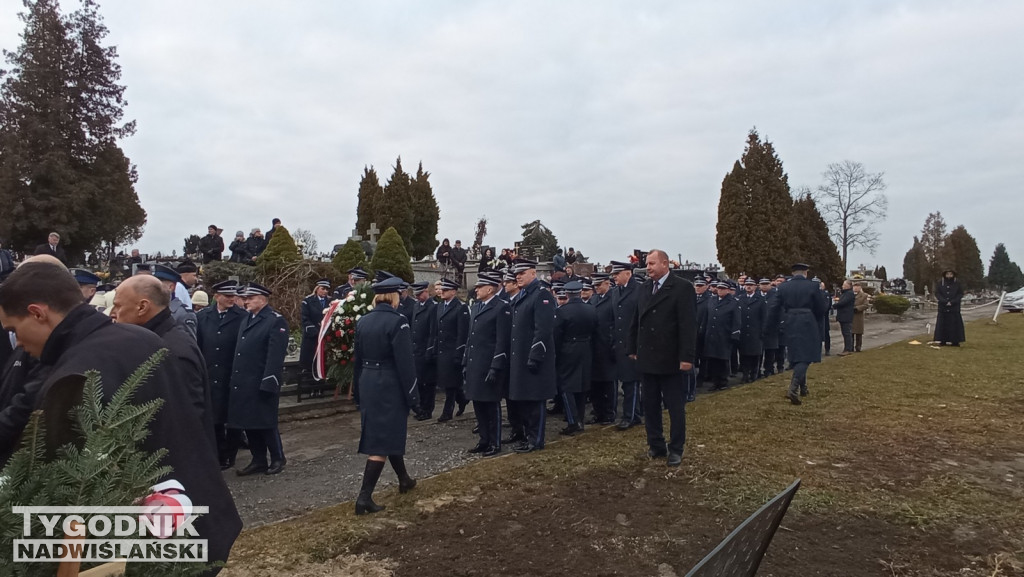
(306, 241)
(852, 200)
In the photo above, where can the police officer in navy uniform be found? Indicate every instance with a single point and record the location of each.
(771, 328)
(181, 314)
(532, 361)
(721, 333)
(624, 301)
(486, 360)
(452, 328)
(801, 307)
(256, 379)
(423, 322)
(87, 282)
(826, 336)
(704, 295)
(753, 309)
(386, 383)
(356, 275)
(312, 314)
(602, 377)
(217, 334)
(575, 328)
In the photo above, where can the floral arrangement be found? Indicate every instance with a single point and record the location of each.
(340, 336)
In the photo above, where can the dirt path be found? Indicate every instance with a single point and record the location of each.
(323, 467)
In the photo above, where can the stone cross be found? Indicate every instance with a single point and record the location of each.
(373, 231)
(355, 236)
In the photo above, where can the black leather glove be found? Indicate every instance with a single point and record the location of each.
(492, 376)
(533, 367)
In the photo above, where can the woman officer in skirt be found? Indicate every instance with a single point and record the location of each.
(385, 384)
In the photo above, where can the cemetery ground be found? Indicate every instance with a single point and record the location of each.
(912, 461)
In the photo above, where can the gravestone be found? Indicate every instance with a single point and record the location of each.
(740, 554)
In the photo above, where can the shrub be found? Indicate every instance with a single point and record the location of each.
(891, 304)
(350, 256)
(222, 270)
(391, 256)
(280, 252)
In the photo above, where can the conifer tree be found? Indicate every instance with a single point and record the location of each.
(425, 215)
(960, 252)
(1004, 274)
(916, 268)
(371, 197)
(280, 251)
(350, 256)
(392, 257)
(396, 211)
(538, 241)
(811, 243)
(933, 238)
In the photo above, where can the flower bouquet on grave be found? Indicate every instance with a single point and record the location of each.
(336, 344)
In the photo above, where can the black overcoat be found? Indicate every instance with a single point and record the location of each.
(664, 329)
(257, 372)
(844, 307)
(575, 328)
(702, 319)
(451, 330)
(624, 301)
(490, 327)
(949, 325)
(753, 311)
(312, 314)
(533, 343)
(771, 326)
(800, 307)
(217, 339)
(724, 327)
(603, 345)
(188, 362)
(424, 325)
(385, 376)
(405, 307)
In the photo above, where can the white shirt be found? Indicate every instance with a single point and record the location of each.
(181, 293)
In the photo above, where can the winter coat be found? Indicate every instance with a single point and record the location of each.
(574, 333)
(753, 311)
(624, 301)
(723, 328)
(532, 360)
(800, 307)
(487, 349)
(216, 339)
(258, 370)
(860, 306)
(451, 330)
(845, 306)
(603, 345)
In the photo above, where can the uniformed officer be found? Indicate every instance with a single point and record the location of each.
(602, 376)
(624, 300)
(217, 333)
(700, 286)
(574, 333)
(182, 314)
(356, 275)
(486, 361)
(826, 336)
(801, 307)
(509, 288)
(256, 378)
(517, 434)
(312, 314)
(721, 333)
(385, 378)
(87, 282)
(780, 354)
(771, 328)
(424, 325)
(753, 309)
(452, 328)
(532, 360)
(587, 294)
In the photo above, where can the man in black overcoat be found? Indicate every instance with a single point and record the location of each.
(800, 307)
(356, 275)
(721, 333)
(451, 330)
(753, 311)
(949, 324)
(424, 325)
(41, 302)
(574, 333)
(217, 334)
(532, 359)
(624, 297)
(312, 314)
(256, 380)
(602, 376)
(700, 286)
(663, 340)
(844, 316)
(486, 361)
(771, 328)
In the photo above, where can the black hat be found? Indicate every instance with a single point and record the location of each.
(448, 284)
(253, 289)
(382, 275)
(546, 284)
(187, 266)
(619, 266)
(600, 277)
(522, 265)
(228, 287)
(816, 279)
(85, 277)
(800, 266)
(419, 287)
(326, 283)
(105, 288)
(510, 276)
(750, 281)
(699, 281)
(143, 268)
(164, 272)
(389, 285)
(573, 286)
(764, 281)
(358, 273)
(780, 276)
(588, 283)
(489, 278)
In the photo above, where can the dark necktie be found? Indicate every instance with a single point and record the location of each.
(223, 314)
(655, 291)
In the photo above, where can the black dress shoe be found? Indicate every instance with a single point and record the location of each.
(674, 459)
(476, 429)
(657, 453)
(366, 505)
(513, 439)
(606, 422)
(624, 424)
(424, 417)
(252, 469)
(462, 409)
(804, 392)
(526, 447)
(571, 430)
(405, 487)
(492, 451)
(444, 418)
(227, 464)
(593, 421)
(793, 398)
(275, 468)
(478, 449)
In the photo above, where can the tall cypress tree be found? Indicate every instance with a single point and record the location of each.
(916, 268)
(396, 210)
(961, 253)
(1004, 274)
(371, 197)
(61, 109)
(753, 233)
(425, 215)
(812, 243)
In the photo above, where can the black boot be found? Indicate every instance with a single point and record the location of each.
(364, 502)
(405, 482)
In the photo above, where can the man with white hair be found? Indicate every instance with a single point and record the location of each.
(52, 247)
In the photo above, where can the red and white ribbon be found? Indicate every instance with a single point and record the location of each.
(319, 357)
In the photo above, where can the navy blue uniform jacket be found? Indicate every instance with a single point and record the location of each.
(452, 328)
(424, 325)
(800, 307)
(216, 339)
(312, 311)
(257, 372)
(487, 348)
(753, 312)
(532, 362)
(723, 327)
(624, 301)
(603, 345)
(575, 328)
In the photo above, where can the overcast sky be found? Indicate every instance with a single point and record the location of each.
(613, 122)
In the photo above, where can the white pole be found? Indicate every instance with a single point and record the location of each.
(999, 307)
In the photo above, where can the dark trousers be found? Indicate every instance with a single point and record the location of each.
(228, 441)
(734, 361)
(452, 396)
(488, 420)
(532, 415)
(603, 398)
(750, 365)
(575, 407)
(631, 401)
(769, 361)
(858, 340)
(847, 329)
(799, 381)
(670, 390)
(826, 336)
(428, 393)
(780, 359)
(515, 422)
(718, 372)
(262, 441)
